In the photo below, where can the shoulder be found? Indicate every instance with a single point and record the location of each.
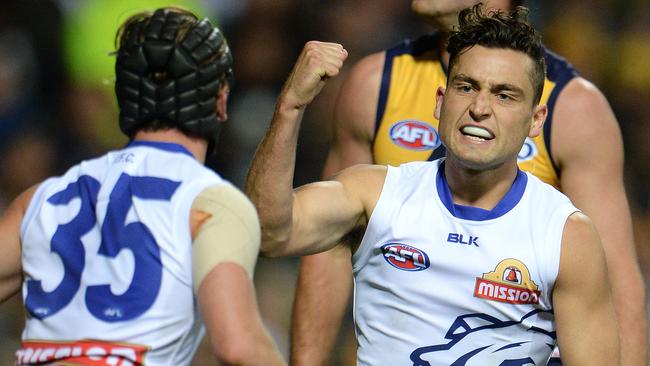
(579, 236)
(582, 119)
(364, 181)
(583, 93)
(367, 71)
(21, 202)
(220, 197)
(362, 174)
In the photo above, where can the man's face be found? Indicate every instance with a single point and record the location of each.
(487, 110)
(444, 13)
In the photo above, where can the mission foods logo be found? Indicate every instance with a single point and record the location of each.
(405, 257)
(510, 282)
(414, 135)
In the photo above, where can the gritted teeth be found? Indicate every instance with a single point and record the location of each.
(477, 132)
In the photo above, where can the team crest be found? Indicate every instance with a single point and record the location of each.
(510, 282)
(414, 135)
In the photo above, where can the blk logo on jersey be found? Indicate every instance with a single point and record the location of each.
(405, 257)
(510, 282)
(462, 239)
(414, 135)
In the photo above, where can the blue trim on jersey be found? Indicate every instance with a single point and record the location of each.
(167, 146)
(559, 71)
(384, 87)
(416, 48)
(507, 203)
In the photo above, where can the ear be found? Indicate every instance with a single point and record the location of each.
(539, 116)
(222, 103)
(440, 96)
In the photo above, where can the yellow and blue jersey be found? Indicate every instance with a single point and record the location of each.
(406, 129)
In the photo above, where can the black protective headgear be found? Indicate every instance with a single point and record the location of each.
(193, 69)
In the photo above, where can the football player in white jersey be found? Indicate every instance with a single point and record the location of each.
(556, 291)
(124, 258)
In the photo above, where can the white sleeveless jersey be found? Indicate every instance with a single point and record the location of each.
(444, 284)
(106, 253)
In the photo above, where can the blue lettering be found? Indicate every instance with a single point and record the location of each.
(458, 238)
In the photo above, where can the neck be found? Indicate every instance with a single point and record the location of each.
(479, 188)
(195, 145)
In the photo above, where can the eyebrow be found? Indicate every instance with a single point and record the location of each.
(494, 88)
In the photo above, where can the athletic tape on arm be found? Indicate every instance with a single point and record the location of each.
(230, 234)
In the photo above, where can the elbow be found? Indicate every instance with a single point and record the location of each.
(235, 353)
(274, 242)
(240, 352)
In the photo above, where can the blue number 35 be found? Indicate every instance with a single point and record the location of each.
(115, 236)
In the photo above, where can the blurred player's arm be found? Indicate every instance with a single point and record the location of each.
(324, 280)
(584, 313)
(10, 261)
(588, 147)
(226, 239)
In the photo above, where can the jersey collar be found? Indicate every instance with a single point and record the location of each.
(507, 203)
(167, 146)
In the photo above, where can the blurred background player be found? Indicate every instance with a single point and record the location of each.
(123, 257)
(384, 115)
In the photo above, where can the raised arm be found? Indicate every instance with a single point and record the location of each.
(10, 261)
(584, 314)
(588, 147)
(315, 216)
(324, 280)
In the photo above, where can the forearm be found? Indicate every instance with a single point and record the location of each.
(270, 180)
(626, 281)
(228, 307)
(628, 287)
(269, 183)
(254, 348)
(322, 294)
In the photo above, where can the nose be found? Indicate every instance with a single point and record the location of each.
(480, 108)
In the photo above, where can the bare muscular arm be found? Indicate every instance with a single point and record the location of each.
(314, 217)
(584, 314)
(324, 280)
(588, 147)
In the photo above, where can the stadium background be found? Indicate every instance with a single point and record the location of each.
(57, 106)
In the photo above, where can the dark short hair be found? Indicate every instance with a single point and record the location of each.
(516, 3)
(170, 66)
(498, 29)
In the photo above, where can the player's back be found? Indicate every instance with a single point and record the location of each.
(106, 253)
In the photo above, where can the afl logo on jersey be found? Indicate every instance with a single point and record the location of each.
(528, 151)
(405, 257)
(414, 135)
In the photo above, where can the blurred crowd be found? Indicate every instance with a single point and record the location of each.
(57, 104)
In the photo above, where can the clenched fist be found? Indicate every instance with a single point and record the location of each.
(317, 62)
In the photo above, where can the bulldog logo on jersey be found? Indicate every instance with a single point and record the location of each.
(414, 135)
(405, 257)
(510, 282)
